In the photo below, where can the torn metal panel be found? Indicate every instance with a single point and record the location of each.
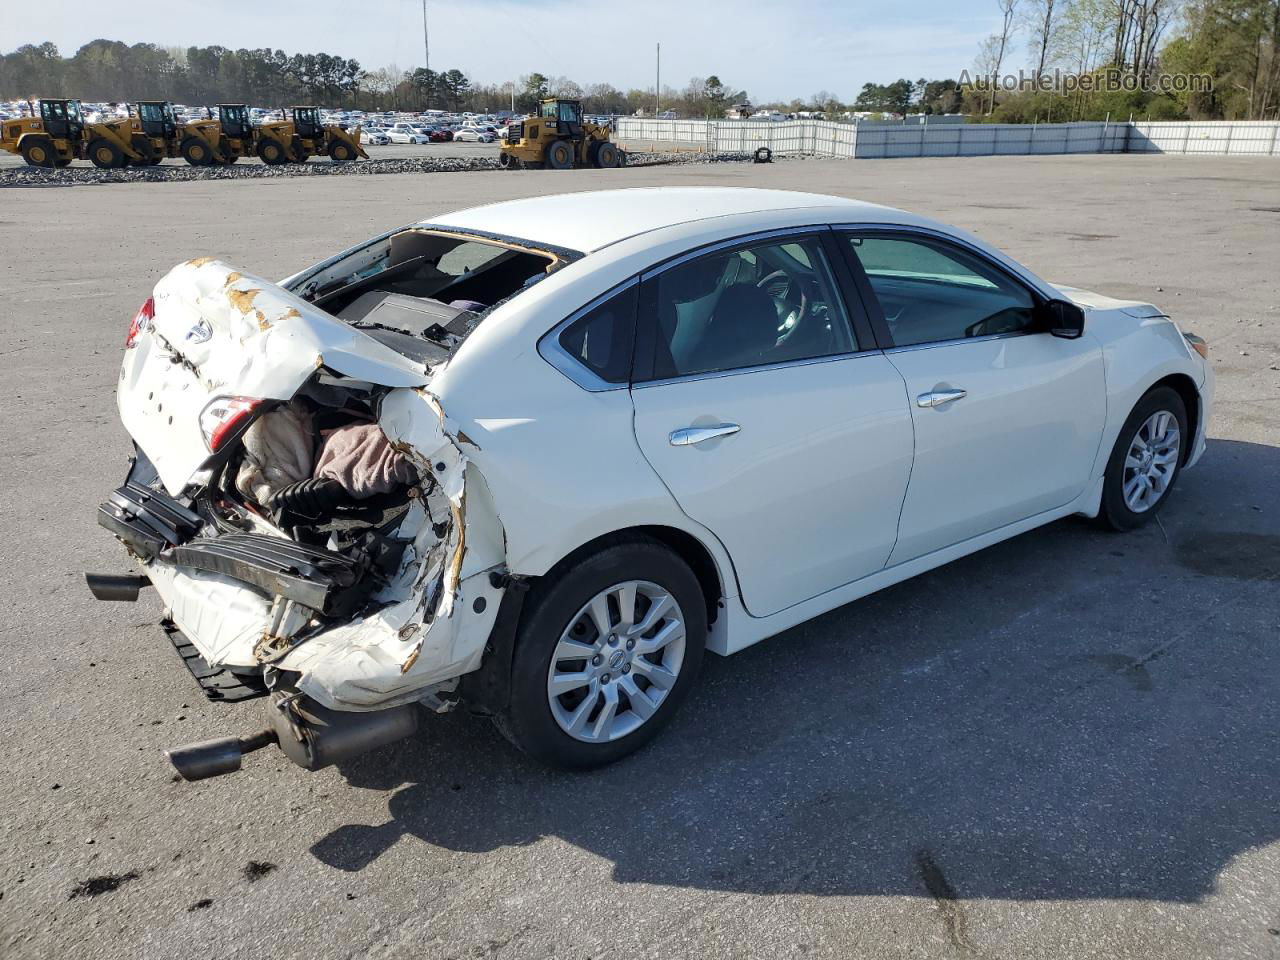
(218, 332)
(432, 621)
(427, 625)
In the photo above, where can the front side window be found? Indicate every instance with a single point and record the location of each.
(771, 302)
(930, 291)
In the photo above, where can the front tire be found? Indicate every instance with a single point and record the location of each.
(606, 156)
(1146, 460)
(591, 680)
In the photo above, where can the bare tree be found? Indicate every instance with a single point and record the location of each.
(1043, 23)
(1008, 8)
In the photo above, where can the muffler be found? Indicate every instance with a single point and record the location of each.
(314, 737)
(311, 735)
(111, 586)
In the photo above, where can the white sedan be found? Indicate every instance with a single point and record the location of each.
(473, 135)
(540, 455)
(406, 136)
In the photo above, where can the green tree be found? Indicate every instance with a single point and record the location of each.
(535, 88)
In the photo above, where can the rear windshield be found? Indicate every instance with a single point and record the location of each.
(420, 281)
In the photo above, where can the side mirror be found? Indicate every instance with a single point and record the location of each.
(1062, 318)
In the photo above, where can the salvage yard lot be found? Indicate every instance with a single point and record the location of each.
(1061, 746)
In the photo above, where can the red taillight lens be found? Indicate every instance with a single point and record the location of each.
(141, 320)
(223, 416)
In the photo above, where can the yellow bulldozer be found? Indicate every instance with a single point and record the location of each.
(59, 134)
(298, 139)
(557, 139)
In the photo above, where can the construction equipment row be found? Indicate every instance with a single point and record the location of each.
(151, 133)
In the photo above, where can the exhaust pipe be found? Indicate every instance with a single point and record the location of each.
(111, 586)
(213, 758)
(311, 735)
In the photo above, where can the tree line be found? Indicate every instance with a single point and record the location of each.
(1234, 43)
(110, 71)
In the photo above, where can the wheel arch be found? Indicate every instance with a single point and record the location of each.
(488, 687)
(1186, 388)
(683, 544)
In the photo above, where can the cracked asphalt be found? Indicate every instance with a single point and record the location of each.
(1063, 746)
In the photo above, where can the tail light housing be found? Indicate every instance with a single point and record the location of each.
(223, 417)
(141, 321)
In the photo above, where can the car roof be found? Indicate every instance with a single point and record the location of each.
(594, 219)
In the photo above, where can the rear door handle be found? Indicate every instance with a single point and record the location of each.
(940, 398)
(691, 435)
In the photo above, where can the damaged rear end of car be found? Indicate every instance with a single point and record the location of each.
(299, 500)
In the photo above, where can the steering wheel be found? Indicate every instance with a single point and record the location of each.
(798, 313)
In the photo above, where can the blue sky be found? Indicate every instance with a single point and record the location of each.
(773, 49)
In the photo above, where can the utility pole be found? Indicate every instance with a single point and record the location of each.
(426, 49)
(657, 79)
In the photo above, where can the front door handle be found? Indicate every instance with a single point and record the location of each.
(691, 435)
(940, 398)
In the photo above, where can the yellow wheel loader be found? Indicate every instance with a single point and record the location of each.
(59, 135)
(556, 138)
(299, 139)
(158, 137)
(208, 141)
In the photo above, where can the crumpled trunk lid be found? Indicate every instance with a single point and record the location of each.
(218, 332)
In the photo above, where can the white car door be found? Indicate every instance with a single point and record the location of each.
(771, 424)
(1008, 417)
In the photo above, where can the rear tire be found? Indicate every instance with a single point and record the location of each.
(196, 152)
(559, 155)
(105, 154)
(271, 152)
(1146, 460)
(538, 722)
(39, 152)
(341, 152)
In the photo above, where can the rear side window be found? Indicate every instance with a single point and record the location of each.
(602, 338)
(770, 302)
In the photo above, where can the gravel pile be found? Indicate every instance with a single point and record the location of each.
(73, 176)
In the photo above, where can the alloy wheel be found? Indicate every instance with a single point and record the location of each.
(1151, 462)
(616, 661)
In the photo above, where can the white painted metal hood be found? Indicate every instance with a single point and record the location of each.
(218, 332)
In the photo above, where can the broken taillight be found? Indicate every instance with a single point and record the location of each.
(141, 320)
(223, 416)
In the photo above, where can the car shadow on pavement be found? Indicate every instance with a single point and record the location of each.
(1072, 714)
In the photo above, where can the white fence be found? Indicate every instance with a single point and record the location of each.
(823, 138)
(1239, 137)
